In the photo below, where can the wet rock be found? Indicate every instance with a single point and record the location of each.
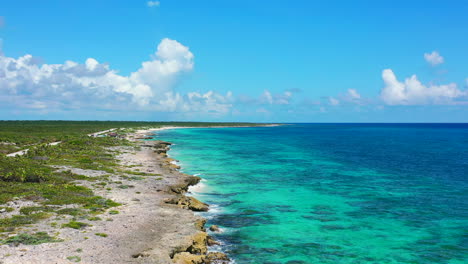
(183, 186)
(211, 241)
(214, 228)
(216, 258)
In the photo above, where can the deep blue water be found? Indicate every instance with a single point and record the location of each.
(333, 193)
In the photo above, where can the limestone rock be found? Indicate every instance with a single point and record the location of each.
(200, 224)
(199, 241)
(188, 203)
(210, 241)
(183, 186)
(187, 258)
(214, 228)
(216, 258)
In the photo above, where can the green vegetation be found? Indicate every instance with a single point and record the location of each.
(9, 224)
(16, 135)
(113, 212)
(75, 225)
(74, 258)
(35, 177)
(7, 209)
(71, 211)
(101, 234)
(30, 239)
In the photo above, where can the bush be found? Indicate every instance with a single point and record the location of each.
(75, 225)
(30, 239)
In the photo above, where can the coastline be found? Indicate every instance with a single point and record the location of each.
(155, 222)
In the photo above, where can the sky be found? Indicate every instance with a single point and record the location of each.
(243, 60)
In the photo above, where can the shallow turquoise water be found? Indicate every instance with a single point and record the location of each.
(333, 193)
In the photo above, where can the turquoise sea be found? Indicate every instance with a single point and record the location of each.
(333, 193)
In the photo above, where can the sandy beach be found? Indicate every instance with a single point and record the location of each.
(154, 224)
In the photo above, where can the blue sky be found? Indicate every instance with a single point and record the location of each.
(216, 60)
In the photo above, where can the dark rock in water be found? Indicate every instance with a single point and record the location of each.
(270, 250)
(321, 218)
(285, 210)
(323, 212)
(332, 227)
(214, 228)
(251, 212)
(242, 220)
(296, 262)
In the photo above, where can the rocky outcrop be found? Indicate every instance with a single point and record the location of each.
(183, 186)
(214, 228)
(210, 241)
(195, 249)
(197, 252)
(187, 258)
(211, 258)
(187, 202)
(216, 258)
(199, 242)
(200, 224)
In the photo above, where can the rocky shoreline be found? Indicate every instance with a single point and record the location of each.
(155, 222)
(195, 248)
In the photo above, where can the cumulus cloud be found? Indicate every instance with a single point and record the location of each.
(434, 58)
(413, 92)
(276, 99)
(92, 84)
(333, 101)
(353, 94)
(153, 3)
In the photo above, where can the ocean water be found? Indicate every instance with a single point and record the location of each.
(333, 193)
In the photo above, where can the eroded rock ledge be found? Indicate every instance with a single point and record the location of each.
(195, 248)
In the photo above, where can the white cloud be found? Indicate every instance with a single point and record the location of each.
(413, 92)
(434, 58)
(25, 83)
(276, 99)
(353, 94)
(262, 111)
(266, 97)
(153, 3)
(333, 101)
